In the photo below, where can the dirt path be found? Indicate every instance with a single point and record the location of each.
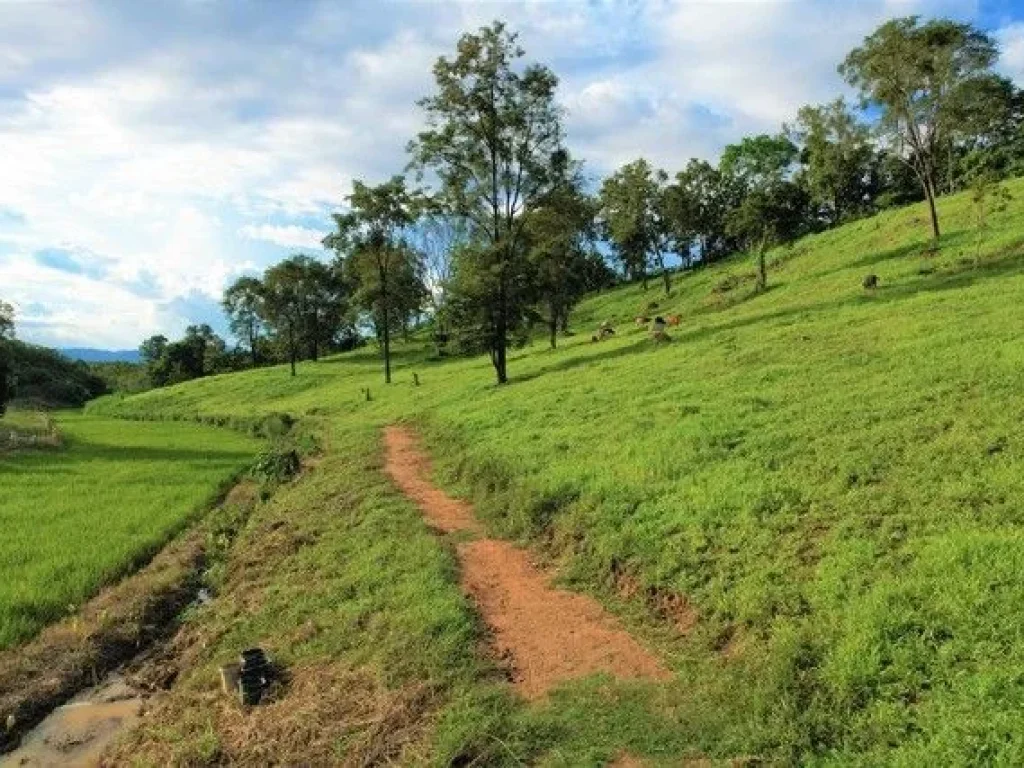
(549, 635)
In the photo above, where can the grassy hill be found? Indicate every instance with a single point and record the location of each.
(830, 477)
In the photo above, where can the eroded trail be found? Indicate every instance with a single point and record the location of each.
(549, 635)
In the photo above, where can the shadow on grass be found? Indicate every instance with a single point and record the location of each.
(81, 452)
(579, 360)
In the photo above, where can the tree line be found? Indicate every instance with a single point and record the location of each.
(493, 228)
(942, 121)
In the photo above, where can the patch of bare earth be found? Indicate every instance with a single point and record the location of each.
(548, 635)
(410, 469)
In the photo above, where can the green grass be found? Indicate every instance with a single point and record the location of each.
(834, 478)
(76, 518)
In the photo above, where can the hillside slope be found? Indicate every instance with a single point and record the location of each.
(831, 478)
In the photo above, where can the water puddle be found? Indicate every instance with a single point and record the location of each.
(76, 733)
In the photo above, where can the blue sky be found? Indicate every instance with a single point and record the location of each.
(151, 152)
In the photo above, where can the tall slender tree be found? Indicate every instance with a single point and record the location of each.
(561, 242)
(918, 74)
(633, 212)
(284, 304)
(494, 143)
(839, 161)
(242, 303)
(368, 240)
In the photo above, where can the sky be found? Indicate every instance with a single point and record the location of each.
(151, 152)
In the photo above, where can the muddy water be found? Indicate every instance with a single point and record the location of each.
(77, 733)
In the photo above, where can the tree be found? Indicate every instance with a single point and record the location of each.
(561, 237)
(242, 303)
(773, 208)
(283, 302)
(385, 269)
(153, 352)
(437, 235)
(759, 161)
(771, 214)
(990, 139)
(324, 296)
(153, 348)
(494, 142)
(634, 219)
(6, 374)
(839, 162)
(695, 209)
(919, 75)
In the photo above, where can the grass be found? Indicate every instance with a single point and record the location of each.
(832, 477)
(77, 518)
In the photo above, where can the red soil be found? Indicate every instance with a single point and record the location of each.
(549, 635)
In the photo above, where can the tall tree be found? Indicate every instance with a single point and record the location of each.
(773, 208)
(324, 295)
(6, 375)
(918, 75)
(839, 162)
(284, 304)
(153, 348)
(494, 142)
(242, 304)
(759, 161)
(632, 208)
(368, 239)
(437, 235)
(772, 213)
(696, 206)
(561, 243)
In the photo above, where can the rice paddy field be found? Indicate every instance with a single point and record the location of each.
(76, 515)
(830, 479)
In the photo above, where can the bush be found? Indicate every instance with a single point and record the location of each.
(276, 465)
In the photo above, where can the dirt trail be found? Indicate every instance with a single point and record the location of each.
(549, 635)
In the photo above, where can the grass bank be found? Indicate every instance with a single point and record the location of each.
(829, 477)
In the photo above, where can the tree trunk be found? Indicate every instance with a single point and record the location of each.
(762, 266)
(387, 323)
(291, 347)
(499, 355)
(929, 191)
(667, 278)
(553, 328)
(253, 341)
(500, 364)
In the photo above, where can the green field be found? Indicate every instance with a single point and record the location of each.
(833, 478)
(76, 517)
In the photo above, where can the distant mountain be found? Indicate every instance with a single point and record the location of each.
(90, 355)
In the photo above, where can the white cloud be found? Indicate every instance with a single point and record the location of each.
(185, 143)
(288, 236)
(1011, 43)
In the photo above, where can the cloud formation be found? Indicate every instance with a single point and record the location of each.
(153, 151)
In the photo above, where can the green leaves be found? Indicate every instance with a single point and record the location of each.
(494, 145)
